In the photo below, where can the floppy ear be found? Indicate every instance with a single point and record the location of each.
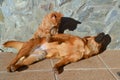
(53, 16)
(56, 15)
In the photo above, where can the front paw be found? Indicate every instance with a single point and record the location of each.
(11, 69)
(58, 70)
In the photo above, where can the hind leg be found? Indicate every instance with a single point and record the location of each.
(27, 61)
(11, 66)
(24, 52)
(36, 56)
(21, 53)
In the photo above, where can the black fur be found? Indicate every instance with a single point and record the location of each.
(104, 40)
(99, 37)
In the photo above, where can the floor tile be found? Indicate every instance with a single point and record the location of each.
(5, 59)
(35, 75)
(86, 75)
(111, 58)
(44, 64)
(116, 72)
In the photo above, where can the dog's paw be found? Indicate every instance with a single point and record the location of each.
(11, 69)
(8, 69)
(55, 70)
(58, 70)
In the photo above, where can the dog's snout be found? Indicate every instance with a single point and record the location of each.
(99, 37)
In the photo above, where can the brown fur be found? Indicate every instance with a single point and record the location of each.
(66, 47)
(12, 44)
(49, 25)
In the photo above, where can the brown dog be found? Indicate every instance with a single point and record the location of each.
(49, 25)
(66, 47)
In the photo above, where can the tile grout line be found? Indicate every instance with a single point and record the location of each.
(89, 69)
(55, 76)
(108, 68)
(43, 70)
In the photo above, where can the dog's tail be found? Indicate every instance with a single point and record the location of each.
(14, 44)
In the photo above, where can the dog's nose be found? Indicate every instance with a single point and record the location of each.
(99, 37)
(105, 41)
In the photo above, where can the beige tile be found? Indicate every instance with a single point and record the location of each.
(111, 58)
(86, 75)
(35, 75)
(92, 62)
(44, 64)
(5, 59)
(116, 72)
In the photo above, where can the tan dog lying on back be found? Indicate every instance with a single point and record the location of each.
(49, 25)
(66, 47)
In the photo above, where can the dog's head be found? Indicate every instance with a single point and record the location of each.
(99, 43)
(103, 40)
(54, 18)
(50, 24)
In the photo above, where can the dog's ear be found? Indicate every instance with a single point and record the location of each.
(53, 16)
(56, 15)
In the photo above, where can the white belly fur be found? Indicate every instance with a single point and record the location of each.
(40, 52)
(42, 47)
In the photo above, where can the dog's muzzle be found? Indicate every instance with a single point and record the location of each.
(103, 39)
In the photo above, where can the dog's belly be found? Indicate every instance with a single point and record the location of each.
(39, 52)
(39, 55)
(42, 47)
(46, 49)
(63, 49)
(46, 46)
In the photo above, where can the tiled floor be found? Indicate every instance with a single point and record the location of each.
(105, 66)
